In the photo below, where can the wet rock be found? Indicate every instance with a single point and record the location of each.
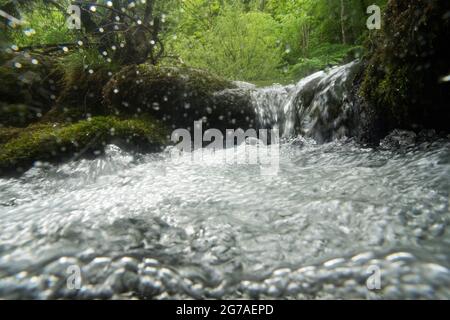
(405, 67)
(178, 96)
(28, 88)
(398, 139)
(55, 143)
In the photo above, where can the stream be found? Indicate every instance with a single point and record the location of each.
(336, 218)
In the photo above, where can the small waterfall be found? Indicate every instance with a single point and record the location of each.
(269, 103)
(318, 106)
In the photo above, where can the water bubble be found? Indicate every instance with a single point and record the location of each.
(446, 78)
(29, 32)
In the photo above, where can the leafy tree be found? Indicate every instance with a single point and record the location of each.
(239, 39)
(128, 32)
(239, 45)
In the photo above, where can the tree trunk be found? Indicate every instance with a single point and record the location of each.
(262, 5)
(344, 36)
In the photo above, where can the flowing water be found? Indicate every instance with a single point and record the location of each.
(319, 106)
(336, 218)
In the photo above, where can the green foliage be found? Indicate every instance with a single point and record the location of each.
(237, 39)
(85, 59)
(324, 56)
(265, 39)
(85, 73)
(296, 31)
(239, 45)
(44, 25)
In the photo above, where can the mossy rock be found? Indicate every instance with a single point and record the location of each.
(178, 96)
(81, 96)
(406, 64)
(7, 134)
(55, 143)
(29, 81)
(66, 115)
(18, 115)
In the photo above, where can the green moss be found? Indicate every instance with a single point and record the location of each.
(149, 88)
(405, 63)
(65, 115)
(6, 134)
(53, 143)
(198, 79)
(178, 96)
